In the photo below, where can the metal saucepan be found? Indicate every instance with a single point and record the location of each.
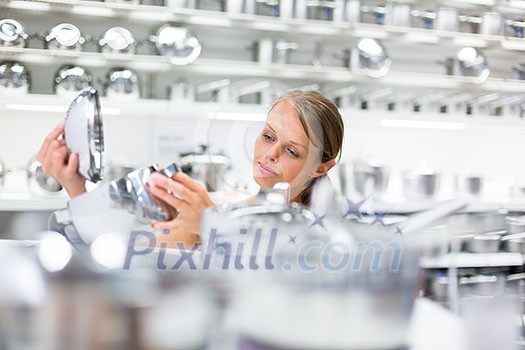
(370, 58)
(84, 134)
(421, 182)
(473, 63)
(515, 224)
(12, 33)
(370, 178)
(484, 243)
(211, 5)
(121, 83)
(117, 40)
(514, 243)
(39, 182)
(178, 43)
(70, 80)
(210, 170)
(14, 78)
(64, 36)
(470, 185)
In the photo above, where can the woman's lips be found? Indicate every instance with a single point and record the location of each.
(265, 170)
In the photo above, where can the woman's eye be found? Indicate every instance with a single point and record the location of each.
(267, 137)
(293, 153)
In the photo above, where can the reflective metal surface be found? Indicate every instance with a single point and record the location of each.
(473, 63)
(370, 58)
(421, 182)
(70, 80)
(178, 43)
(3, 172)
(84, 134)
(469, 185)
(122, 83)
(64, 36)
(40, 182)
(12, 33)
(117, 40)
(210, 170)
(14, 78)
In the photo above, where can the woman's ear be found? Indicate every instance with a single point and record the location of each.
(323, 168)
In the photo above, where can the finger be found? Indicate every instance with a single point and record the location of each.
(188, 182)
(72, 165)
(60, 156)
(180, 205)
(178, 189)
(168, 226)
(53, 135)
(47, 161)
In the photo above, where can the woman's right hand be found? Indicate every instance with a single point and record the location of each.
(59, 162)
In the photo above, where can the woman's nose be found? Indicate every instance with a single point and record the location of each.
(273, 153)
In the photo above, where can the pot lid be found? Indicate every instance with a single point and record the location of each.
(66, 34)
(179, 43)
(84, 134)
(73, 78)
(118, 38)
(370, 57)
(10, 30)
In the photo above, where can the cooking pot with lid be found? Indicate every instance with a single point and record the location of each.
(14, 78)
(64, 36)
(178, 43)
(122, 83)
(12, 33)
(70, 80)
(117, 40)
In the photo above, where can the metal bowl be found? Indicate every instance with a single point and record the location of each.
(122, 83)
(473, 63)
(64, 36)
(14, 78)
(117, 40)
(178, 43)
(370, 58)
(12, 33)
(70, 80)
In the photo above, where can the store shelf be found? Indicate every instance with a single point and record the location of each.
(237, 68)
(28, 202)
(327, 30)
(465, 260)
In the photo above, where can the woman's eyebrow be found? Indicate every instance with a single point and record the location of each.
(297, 144)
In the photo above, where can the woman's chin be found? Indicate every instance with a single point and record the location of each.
(265, 182)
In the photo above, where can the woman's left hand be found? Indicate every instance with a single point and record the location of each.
(189, 198)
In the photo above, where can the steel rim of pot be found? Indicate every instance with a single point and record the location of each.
(12, 33)
(118, 40)
(178, 43)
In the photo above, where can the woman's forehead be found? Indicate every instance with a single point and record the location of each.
(284, 119)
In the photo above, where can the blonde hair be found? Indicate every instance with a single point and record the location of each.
(322, 123)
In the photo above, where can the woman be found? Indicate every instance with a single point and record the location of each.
(300, 142)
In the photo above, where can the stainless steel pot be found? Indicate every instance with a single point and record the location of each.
(39, 182)
(370, 58)
(469, 185)
(210, 170)
(492, 23)
(484, 243)
(178, 43)
(70, 80)
(121, 83)
(421, 182)
(84, 134)
(268, 7)
(64, 36)
(211, 5)
(473, 63)
(12, 33)
(398, 15)
(117, 40)
(320, 10)
(515, 224)
(514, 243)
(14, 78)
(370, 178)
(447, 19)
(482, 285)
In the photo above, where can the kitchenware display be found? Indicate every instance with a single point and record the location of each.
(181, 90)
(470, 24)
(470, 185)
(84, 134)
(370, 58)
(515, 285)
(70, 80)
(320, 10)
(492, 23)
(178, 43)
(210, 170)
(377, 13)
(12, 33)
(211, 5)
(423, 19)
(117, 40)
(64, 36)
(121, 83)
(370, 178)
(14, 78)
(421, 182)
(268, 7)
(40, 182)
(515, 28)
(473, 63)
(398, 15)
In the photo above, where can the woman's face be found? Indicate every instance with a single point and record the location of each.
(283, 152)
